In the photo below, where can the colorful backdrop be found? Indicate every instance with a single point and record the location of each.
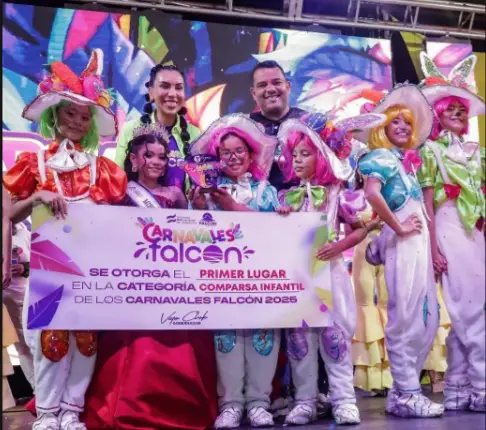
(327, 71)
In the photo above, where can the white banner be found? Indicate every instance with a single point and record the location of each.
(109, 267)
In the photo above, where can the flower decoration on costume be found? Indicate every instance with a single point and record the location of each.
(338, 136)
(89, 84)
(339, 140)
(411, 161)
(452, 191)
(61, 84)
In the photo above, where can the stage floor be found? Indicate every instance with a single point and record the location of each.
(372, 418)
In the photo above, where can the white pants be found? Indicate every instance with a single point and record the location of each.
(246, 361)
(62, 384)
(413, 316)
(464, 295)
(13, 298)
(334, 344)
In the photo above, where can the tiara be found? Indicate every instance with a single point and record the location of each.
(154, 129)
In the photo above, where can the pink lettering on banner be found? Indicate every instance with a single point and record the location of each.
(14, 143)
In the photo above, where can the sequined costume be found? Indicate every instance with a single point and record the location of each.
(64, 361)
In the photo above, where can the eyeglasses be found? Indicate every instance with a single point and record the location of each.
(238, 153)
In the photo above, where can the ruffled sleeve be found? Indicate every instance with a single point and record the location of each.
(268, 201)
(427, 173)
(22, 180)
(380, 164)
(111, 182)
(351, 203)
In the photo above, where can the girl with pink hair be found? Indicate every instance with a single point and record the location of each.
(452, 178)
(319, 161)
(246, 359)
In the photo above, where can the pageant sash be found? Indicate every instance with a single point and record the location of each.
(142, 197)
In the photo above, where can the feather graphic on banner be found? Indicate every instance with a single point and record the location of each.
(322, 236)
(47, 256)
(326, 298)
(42, 215)
(42, 312)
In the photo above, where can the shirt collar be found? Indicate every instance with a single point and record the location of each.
(397, 152)
(177, 126)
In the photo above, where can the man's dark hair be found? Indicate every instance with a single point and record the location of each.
(269, 64)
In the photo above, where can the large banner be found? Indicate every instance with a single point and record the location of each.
(327, 71)
(157, 269)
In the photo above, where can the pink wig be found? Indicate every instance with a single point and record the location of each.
(257, 172)
(440, 106)
(323, 174)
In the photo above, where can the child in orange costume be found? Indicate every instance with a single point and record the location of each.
(74, 112)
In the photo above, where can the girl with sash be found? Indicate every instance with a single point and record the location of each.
(73, 111)
(153, 379)
(403, 246)
(372, 370)
(166, 90)
(321, 170)
(246, 359)
(452, 178)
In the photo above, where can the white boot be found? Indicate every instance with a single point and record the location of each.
(416, 405)
(478, 402)
(229, 418)
(391, 399)
(346, 414)
(259, 417)
(46, 422)
(301, 414)
(70, 421)
(457, 399)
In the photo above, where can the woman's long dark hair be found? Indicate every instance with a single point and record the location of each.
(148, 108)
(136, 145)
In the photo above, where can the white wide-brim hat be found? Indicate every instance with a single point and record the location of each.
(262, 145)
(410, 96)
(104, 117)
(434, 93)
(341, 169)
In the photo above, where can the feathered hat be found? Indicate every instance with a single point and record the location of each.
(331, 138)
(262, 145)
(436, 86)
(408, 95)
(87, 90)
